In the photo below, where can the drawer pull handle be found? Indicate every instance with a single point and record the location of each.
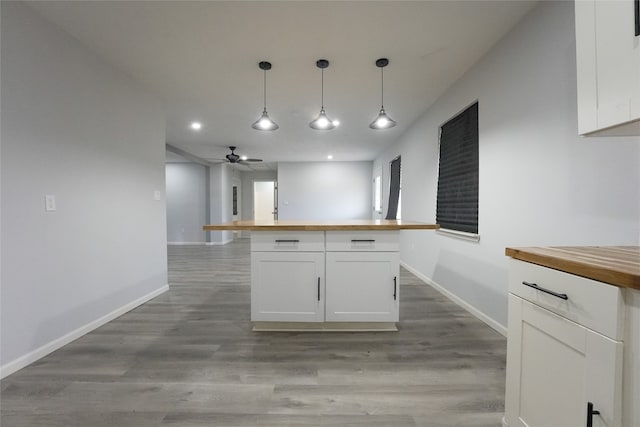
(546, 291)
(288, 241)
(590, 413)
(318, 289)
(362, 241)
(395, 287)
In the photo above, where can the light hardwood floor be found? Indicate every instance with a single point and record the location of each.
(189, 358)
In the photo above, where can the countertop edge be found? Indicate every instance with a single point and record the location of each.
(610, 276)
(319, 227)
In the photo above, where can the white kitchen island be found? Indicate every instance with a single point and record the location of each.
(313, 275)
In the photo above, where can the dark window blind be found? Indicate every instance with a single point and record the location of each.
(394, 189)
(457, 204)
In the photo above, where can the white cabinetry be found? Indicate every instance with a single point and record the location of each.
(564, 351)
(287, 286)
(362, 277)
(608, 67)
(287, 277)
(362, 286)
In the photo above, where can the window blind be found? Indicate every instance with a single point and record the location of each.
(394, 189)
(457, 199)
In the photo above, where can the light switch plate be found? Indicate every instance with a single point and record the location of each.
(50, 203)
(157, 195)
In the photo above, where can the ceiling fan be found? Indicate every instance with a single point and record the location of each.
(235, 158)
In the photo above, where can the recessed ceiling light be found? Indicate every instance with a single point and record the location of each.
(196, 125)
(329, 157)
(243, 157)
(336, 122)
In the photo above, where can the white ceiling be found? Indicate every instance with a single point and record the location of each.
(201, 60)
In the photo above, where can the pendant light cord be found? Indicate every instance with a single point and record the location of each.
(265, 90)
(322, 90)
(382, 88)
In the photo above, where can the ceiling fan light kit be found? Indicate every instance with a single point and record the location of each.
(382, 121)
(264, 122)
(235, 158)
(322, 121)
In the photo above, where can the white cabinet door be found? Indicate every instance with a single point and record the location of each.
(555, 367)
(618, 71)
(585, 14)
(608, 67)
(363, 286)
(287, 286)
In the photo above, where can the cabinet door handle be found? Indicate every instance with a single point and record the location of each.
(362, 241)
(318, 289)
(546, 291)
(288, 241)
(590, 413)
(395, 288)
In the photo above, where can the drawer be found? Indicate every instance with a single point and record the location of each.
(595, 305)
(363, 241)
(287, 241)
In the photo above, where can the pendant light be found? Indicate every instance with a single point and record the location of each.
(265, 122)
(322, 122)
(382, 121)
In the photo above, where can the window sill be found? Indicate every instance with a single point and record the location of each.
(470, 237)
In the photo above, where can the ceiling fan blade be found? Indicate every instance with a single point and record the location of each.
(252, 160)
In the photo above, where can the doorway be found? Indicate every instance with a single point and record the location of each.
(265, 201)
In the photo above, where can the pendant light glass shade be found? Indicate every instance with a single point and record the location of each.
(382, 121)
(322, 122)
(265, 122)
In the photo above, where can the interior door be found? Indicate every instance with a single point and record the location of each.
(264, 201)
(377, 195)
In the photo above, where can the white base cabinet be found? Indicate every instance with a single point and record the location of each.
(363, 286)
(557, 368)
(564, 350)
(332, 276)
(287, 286)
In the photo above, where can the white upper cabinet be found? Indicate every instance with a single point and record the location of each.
(608, 67)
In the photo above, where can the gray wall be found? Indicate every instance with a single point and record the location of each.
(220, 187)
(324, 190)
(186, 202)
(75, 128)
(540, 183)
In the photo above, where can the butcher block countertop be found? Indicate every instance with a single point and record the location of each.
(347, 225)
(615, 265)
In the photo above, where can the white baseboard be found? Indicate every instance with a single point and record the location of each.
(186, 243)
(52, 346)
(224, 242)
(462, 303)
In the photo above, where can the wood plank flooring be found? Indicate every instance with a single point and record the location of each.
(189, 358)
